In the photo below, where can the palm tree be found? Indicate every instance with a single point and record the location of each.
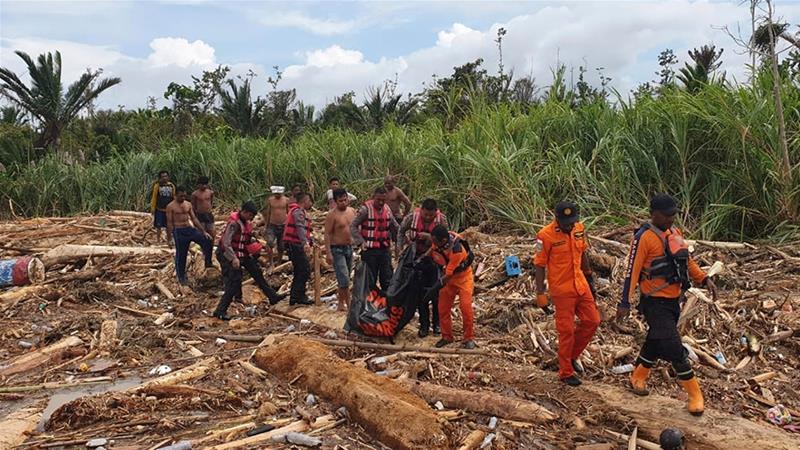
(239, 111)
(46, 100)
(12, 115)
(706, 60)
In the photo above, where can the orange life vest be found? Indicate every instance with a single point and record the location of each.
(290, 230)
(375, 228)
(418, 227)
(241, 239)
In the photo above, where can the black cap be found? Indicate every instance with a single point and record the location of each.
(567, 212)
(664, 203)
(250, 207)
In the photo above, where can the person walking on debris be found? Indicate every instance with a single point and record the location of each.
(395, 198)
(333, 184)
(162, 193)
(298, 241)
(562, 254)
(238, 250)
(185, 228)
(422, 220)
(274, 215)
(453, 253)
(339, 241)
(202, 200)
(660, 265)
(371, 230)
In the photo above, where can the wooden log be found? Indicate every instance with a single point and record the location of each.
(377, 403)
(108, 335)
(196, 370)
(18, 294)
(55, 385)
(779, 336)
(17, 425)
(253, 369)
(164, 291)
(281, 268)
(473, 440)
(178, 390)
(632, 439)
(101, 229)
(760, 378)
(400, 348)
(647, 445)
(71, 252)
(299, 426)
(483, 402)
(37, 358)
(137, 214)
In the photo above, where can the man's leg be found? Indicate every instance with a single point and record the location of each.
(385, 268)
(205, 245)
(300, 274)
(254, 269)
(465, 289)
(446, 296)
(182, 241)
(341, 268)
(565, 325)
(232, 280)
(588, 321)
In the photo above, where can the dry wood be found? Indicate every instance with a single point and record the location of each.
(71, 252)
(317, 281)
(400, 348)
(164, 291)
(173, 390)
(473, 440)
(196, 370)
(137, 214)
(704, 357)
(23, 293)
(37, 358)
(760, 378)
(16, 426)
(253, 369)
(483, 402)
(377, 403)
(297, 427)
(779, 336)
(647, 445)
(55, 385)
(632, 439)
(108, 335)
(103, 229)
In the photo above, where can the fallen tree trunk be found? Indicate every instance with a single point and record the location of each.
(294, 427)
(32, 360)
(22, 293)
(71, 252)
(108, 335)
(473, 440)
(16, 426)
(122, 213)
(489, 403)
(387, 410)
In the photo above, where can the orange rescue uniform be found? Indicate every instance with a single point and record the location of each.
(561, 255)
(460, 284)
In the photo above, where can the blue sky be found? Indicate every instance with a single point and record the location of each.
(327, 48)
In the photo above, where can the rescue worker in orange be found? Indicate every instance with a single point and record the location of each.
(660, 265)
(561, 254)
(371, 230)
(454, 254)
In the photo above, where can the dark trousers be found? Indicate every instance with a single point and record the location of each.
(301, 272)
(663, 340)
(183, 238)
(379, 261)
(428, 279)
(232, 281)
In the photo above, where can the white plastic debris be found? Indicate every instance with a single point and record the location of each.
(439, 405)
(311, 400)
(220, 341)
(99, 442)
(182, 445)
(25, 344)
(380, 360)
(487, 441)
(493, 423)
(305, 322)
(330, 334)
(328, 298)
(298, 439)
(342, 412)
(163, 318)
(692, 355)
(160, 370)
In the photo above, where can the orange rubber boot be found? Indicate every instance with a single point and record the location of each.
(639, 380)
(692, 387)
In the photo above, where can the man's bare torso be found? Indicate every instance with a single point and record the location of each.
(181, 214)
(341, 220)
(202, 201)
(278, 210)
(394, 200)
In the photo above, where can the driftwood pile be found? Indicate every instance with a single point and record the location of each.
(110, 347)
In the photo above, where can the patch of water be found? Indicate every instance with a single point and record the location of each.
(63, 396)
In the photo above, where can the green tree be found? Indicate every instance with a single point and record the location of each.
(706, 60)
(238, 109)
(46, 98)
(13, 115)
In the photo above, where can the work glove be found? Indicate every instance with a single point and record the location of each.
(543, 301)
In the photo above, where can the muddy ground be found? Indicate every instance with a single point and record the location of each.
(750, 332)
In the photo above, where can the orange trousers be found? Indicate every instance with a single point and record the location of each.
(463, 287)
(573, 338)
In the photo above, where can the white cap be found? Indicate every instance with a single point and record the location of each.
(277, 189)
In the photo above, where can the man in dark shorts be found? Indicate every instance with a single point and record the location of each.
(340, 245)
(161, 194)
(202, 199)
(274, 214)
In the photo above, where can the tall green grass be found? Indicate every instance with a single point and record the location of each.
(716, 151)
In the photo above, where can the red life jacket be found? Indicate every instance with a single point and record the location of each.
(241, 238)
(290, 230)
(418, 227)
(375, 228)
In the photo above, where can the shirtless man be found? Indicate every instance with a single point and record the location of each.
(202, 198)
(333, 184)
(184, 228)
(274, 214)
(339, 242)
(395, 197)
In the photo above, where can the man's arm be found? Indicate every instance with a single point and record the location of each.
(300, 226)
(194, 200)
(329, 228)
(355, 226)
(170, 220)
(636, 257)
(405, 225)
(700, 278)
(393, 225)
(406, 202)
(153, 198)
(227, 237)
(196, 222)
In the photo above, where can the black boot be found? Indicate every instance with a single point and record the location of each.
(304, 301)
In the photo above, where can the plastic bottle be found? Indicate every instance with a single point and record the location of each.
(493, 423)
(625, 368)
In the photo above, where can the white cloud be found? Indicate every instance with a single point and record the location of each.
(180, 52)
(332, 56)
(297, 19)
